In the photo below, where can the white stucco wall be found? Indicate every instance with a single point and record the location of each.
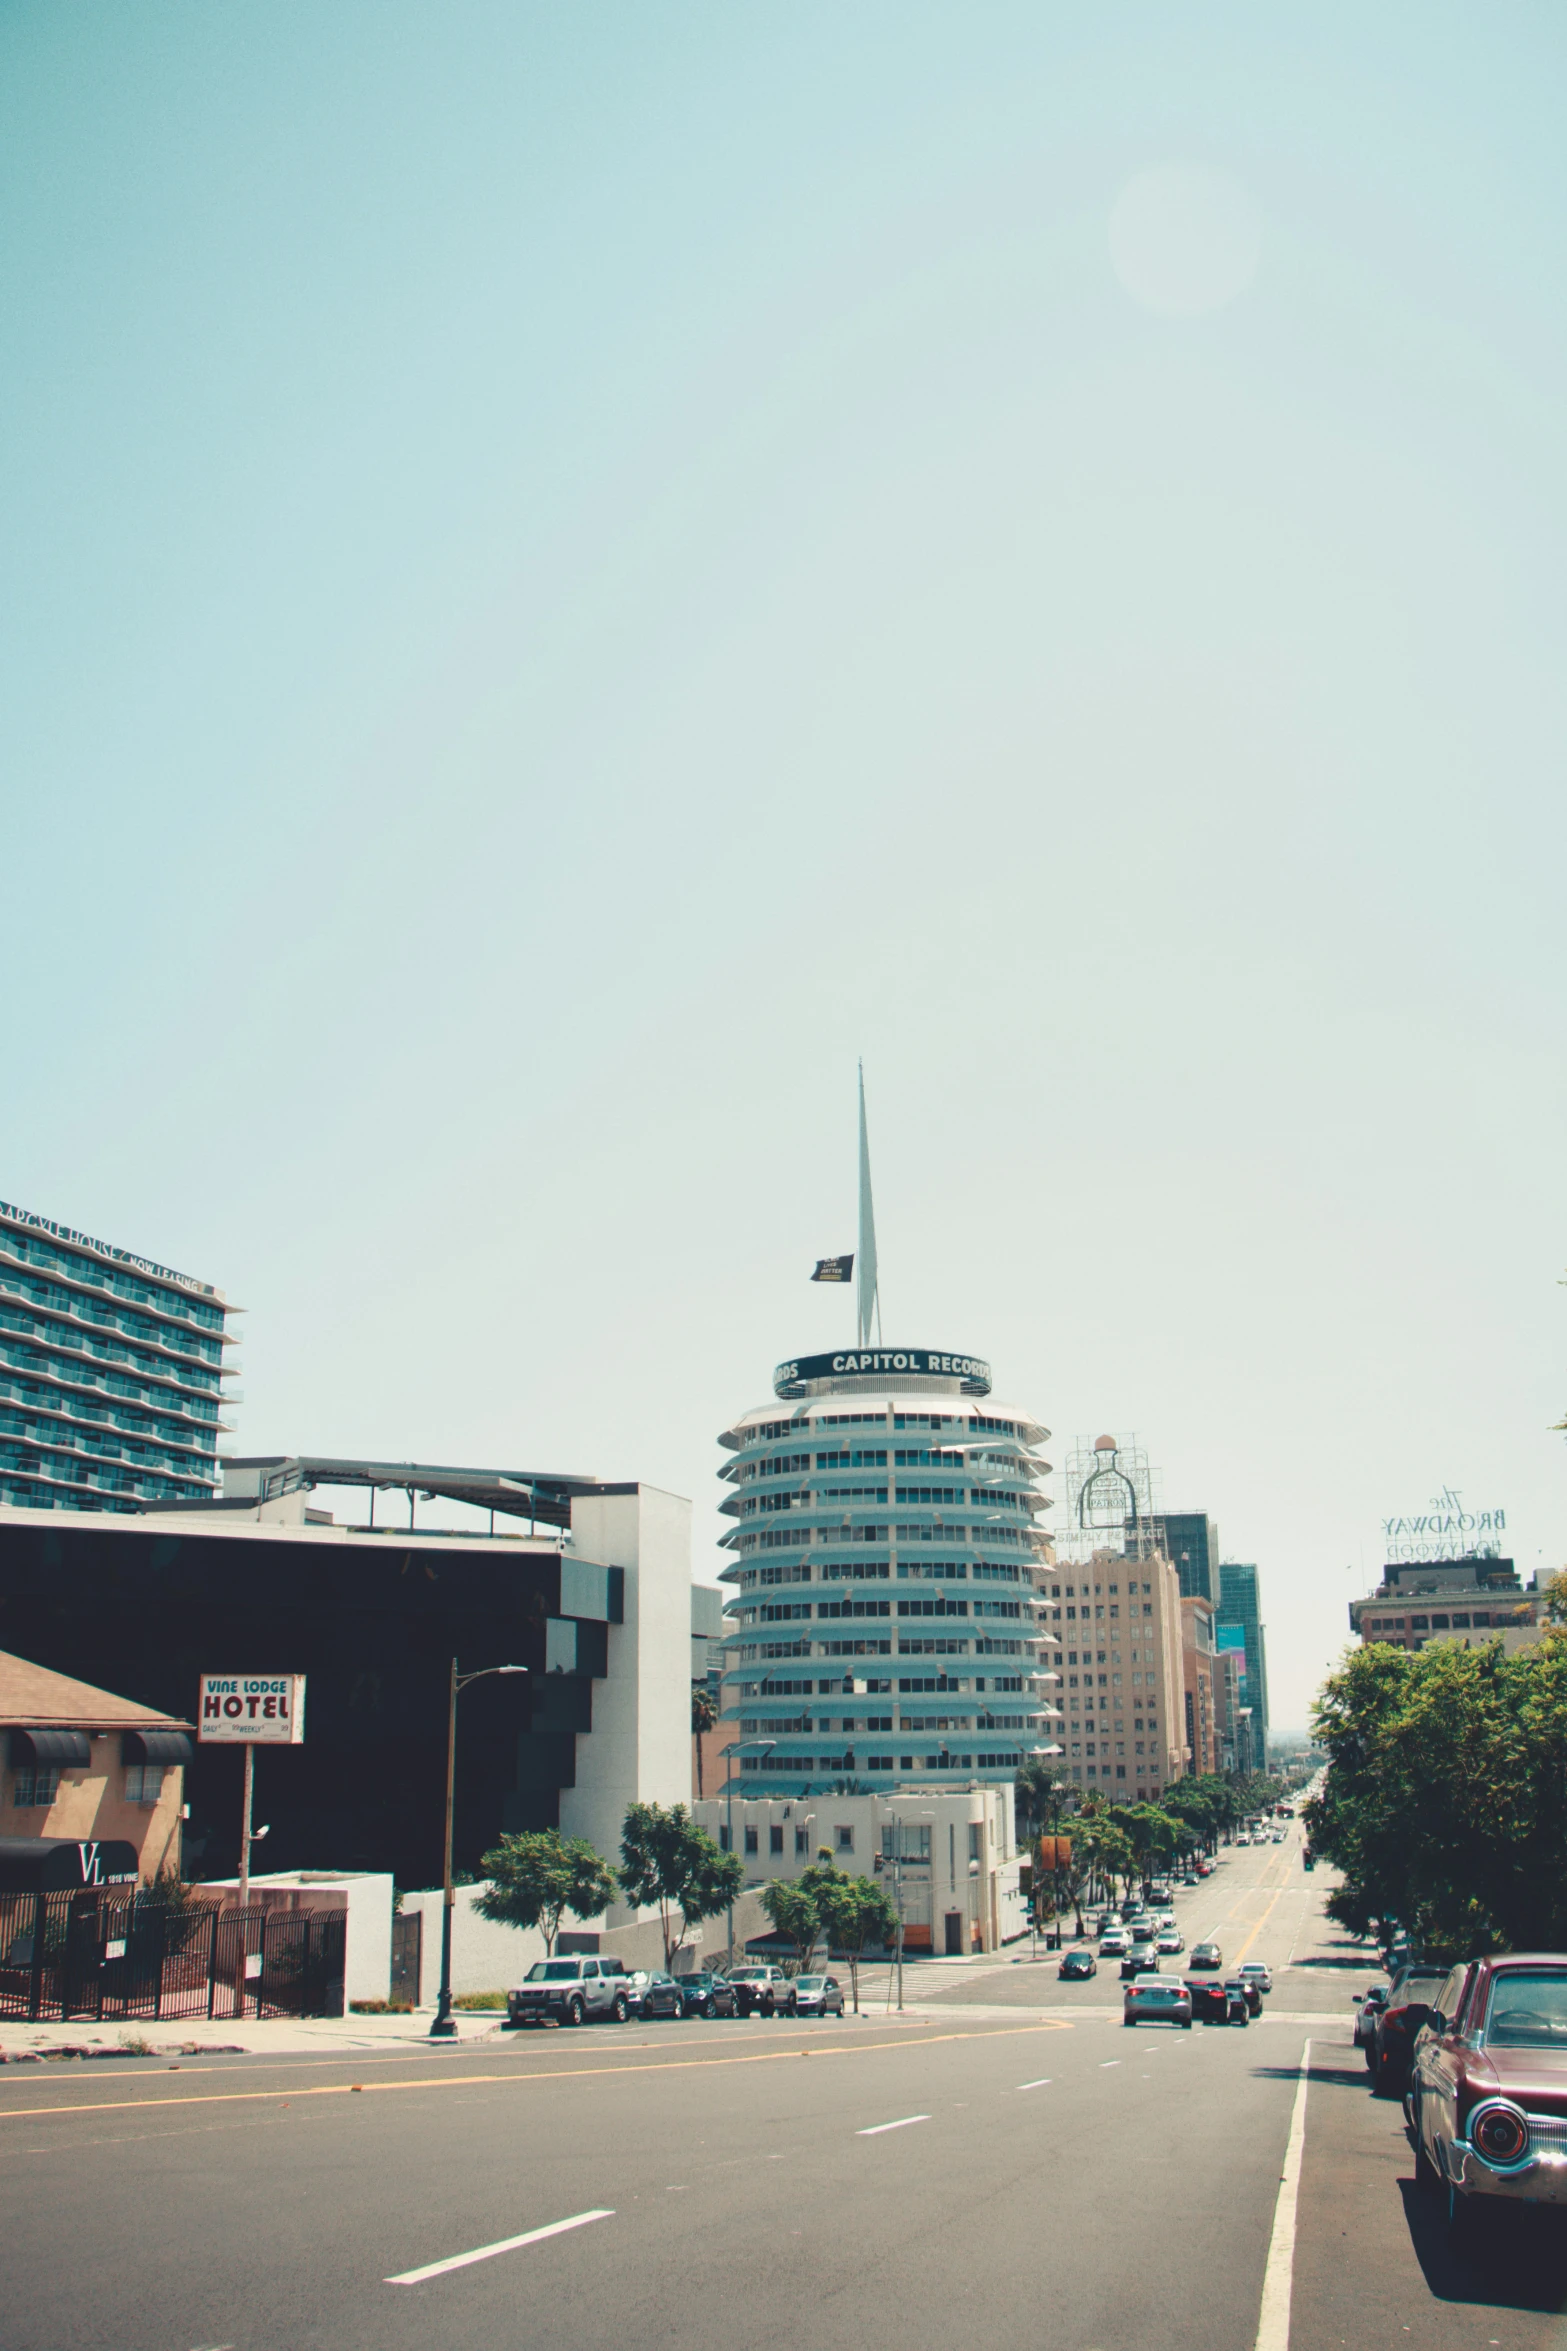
(640, 1744)
(367, 1961)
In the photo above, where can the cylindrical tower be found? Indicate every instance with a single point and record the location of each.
(884, 1625)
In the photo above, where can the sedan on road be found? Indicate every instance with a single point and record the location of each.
(653, 1994)
(1115, 1944)
(1259, 1973)
(1367, 2011)
(1215, 2002)
(1139, 1963)
(1075, 1964)
(1206, 1955)
(707, 1995)
(1244, 1989)
(1407, 2010)
(816, 1995)
(1158, 2003)
(1171, 1941)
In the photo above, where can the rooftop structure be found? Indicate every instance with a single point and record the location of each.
(111, 1371)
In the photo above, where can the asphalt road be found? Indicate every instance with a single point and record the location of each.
(972, 2172)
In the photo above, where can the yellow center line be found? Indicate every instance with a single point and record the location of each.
(460, 2081)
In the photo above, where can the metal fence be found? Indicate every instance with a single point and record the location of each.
(108, 1953)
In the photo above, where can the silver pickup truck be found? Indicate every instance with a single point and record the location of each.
(570, 1991)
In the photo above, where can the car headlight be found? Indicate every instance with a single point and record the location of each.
(1498, 2132)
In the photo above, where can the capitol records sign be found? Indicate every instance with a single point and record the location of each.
(1445, 1530)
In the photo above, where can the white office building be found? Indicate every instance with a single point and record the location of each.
(947, 1857)
(885, 1567)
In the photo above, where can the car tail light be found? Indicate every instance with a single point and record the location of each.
(1499, 2132)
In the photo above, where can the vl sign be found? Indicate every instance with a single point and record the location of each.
(251, 1709)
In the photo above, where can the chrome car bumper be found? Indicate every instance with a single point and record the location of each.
(1541, 2178)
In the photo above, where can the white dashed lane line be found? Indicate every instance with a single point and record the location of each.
(1042, 2084)
(875, 2129)
(435, 2269)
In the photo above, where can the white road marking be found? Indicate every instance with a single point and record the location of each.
(435, 2269)
(1109, 2061)
(1273, 2321)
(876, 2128)
(1042, 2084)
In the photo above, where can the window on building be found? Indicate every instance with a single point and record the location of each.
(35, 1784)
(750, 1841)
(775, 1840)
(143, 1783)
(845, 1840)
(723, 1839)
(802, 1840)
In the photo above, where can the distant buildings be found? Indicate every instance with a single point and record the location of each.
(1191, 1544)
(111, 1372)
(1240, 1618)
(1465, 1600)
(1204, 1698)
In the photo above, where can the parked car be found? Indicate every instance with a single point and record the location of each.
(816, 1995)
(1191, 1878)
(1170, 1941)
(1136, 1963)
(570, 1991)
(1407, 2008)
(1487, 2104)
(1115, 1944)
(1216, 2002)
(1075, 1964)
(1249, 1991)
(1157, 2003)
(1367, 2010)
(707, 1995)
(760, 1989)
(1259, 1972)
(1204, 1869)
(1206, 1955)
(652, 1993)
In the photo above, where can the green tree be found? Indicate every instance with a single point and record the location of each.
(791, 1906)
(668, 1864)
(538, 1875)
(1444, 1802)
(853, 1912)
(704, 1717)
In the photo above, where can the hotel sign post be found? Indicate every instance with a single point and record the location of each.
(250, 1710)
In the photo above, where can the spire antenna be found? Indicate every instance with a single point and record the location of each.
(868, 1296)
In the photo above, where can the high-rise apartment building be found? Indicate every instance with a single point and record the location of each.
(111, 1371)
(886, 1569)
(1240, 1604)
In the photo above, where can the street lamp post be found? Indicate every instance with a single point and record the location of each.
(443, 2028)
(897, 1820)
(744, 1747)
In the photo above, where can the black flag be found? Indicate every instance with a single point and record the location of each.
(834, 1269)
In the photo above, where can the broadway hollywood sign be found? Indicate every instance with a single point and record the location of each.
(1445, 1530)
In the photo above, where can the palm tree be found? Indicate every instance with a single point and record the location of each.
(704, 1717)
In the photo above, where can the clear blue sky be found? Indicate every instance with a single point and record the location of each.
(570, 570)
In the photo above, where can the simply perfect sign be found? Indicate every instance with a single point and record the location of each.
(254, 1709)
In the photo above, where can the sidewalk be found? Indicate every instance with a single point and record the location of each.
(24, 2043)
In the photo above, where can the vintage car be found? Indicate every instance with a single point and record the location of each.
(1367, 2010)
(1403, 2016)
(1487, 2102)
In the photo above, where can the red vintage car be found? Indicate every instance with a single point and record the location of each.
(1487, 2101)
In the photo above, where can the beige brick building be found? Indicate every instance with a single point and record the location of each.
(1123, 1673)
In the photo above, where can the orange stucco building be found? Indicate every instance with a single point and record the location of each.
(83, 1764)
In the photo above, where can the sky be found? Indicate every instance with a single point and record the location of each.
(570, 572)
